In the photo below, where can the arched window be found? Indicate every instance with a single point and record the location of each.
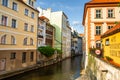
(31, 41)
(25, 41)
(13, 41)
(3, 39)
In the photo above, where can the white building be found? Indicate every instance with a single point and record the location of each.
(60, 21)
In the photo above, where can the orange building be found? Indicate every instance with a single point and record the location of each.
(99, 16)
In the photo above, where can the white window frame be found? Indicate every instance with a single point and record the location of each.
(12, 24)
(16, 9)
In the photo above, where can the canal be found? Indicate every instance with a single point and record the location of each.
(69, 69)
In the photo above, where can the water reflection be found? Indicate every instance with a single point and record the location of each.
(69, 69)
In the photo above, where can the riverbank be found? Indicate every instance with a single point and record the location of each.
(7, 74)
(83, 76)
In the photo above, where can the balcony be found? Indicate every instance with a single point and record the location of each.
(41, 27)
(40, 36)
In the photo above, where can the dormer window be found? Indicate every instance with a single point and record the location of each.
(31, 3)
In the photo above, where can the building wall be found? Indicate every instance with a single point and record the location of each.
(104, 22)
(41, 33)
(100, 70)
(19, 34)
(56, 21)
(68, 42)
(112, 48)
(49, 35)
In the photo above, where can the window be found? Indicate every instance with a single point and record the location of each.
(32, 15)
(107, 42)
(25, 41)
(25, 27)
(23, 57)
(31, 56)
(98, 30)
(13, 23)
(4, 20)
(109, 27)
(32, 28)
(98, 13)
(29, 1)
(3, 39)
(31, 41)
(13, 41)
(26, 12)
(32, 3)
(5, 3)
(110, 13)
(14, 6)
(98, 44)
(13, 55)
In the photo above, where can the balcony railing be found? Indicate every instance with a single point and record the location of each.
(41, 27)
(40, 36)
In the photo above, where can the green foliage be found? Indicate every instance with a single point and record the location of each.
(46, 50)
(59, 51)
(109, 58)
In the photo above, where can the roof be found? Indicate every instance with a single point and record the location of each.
(112, 31)
(103, 1)
(81, 35)
(99, 3)
(44, 18)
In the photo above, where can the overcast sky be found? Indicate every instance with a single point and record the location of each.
(72, 8)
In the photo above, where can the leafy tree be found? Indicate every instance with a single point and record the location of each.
(46, 50)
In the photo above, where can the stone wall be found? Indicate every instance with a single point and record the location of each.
(97, 69)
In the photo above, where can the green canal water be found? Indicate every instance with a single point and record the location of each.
(68, 69)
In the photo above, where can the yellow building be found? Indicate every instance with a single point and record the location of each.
(18, 34)
(111, 43)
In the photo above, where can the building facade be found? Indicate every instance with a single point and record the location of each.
(18, 31)
(99, 16)
(42, 21)
(111, 44)
(68, 41)
(60, 21)
(50, 30)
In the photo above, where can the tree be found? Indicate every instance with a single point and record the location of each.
(46, 50)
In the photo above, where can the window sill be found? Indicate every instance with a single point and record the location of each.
(110, 17)
(98, 18)
(7, 44)
(98, 35)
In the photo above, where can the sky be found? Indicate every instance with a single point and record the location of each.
(72, 8)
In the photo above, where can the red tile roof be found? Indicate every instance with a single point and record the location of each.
(113, 30)
(44, 18)
(102, 1)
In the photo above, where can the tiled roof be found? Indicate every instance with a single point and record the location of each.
(102, 1)
(113, 30)
(44, 18)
